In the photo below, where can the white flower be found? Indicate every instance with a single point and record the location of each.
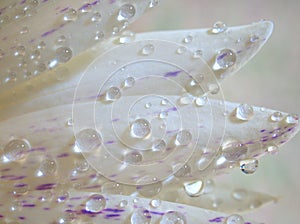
(104, 126)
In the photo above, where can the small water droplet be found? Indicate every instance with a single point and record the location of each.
(248, 166)
(164, 102)
(153, 3)
(99, 36)
(69, 122)
(48, 167)
(20, 189)
(46, 196)
(60, 40)
(197, 54)
(173, 217)
(183, 137)
(201, 101)
(213, 88)
(186, 99)
(126, 12)
(234, 151)
(239, 194)
(276, 116)
(163, 115)
(148, 49)
(224, 59)
(123, 204)
(253, 38)
(82, 166)
(70, 15)
(140, 216)
(234, 219)
(88, 140)
(292, 119)
(188, 39)
(193, 189)
(244, 112)
(183, 171)
(218, 27)
(155, 203)
(133, 157)
(41, 45)
(273, 149)
(128, 82)
(113, 94)
(20, 51)
(35, 55)
(181, 50)
(140, 128)
(63, 54)
(95, 203)
(150, 190)
(16, 149)
(159, 145)
(24, 30)
(62, 195)
(96, 17)
(112, 188)
(67, 217)
(148, 105)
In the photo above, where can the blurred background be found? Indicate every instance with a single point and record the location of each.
(271, 80)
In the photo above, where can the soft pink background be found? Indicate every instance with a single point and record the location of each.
(271, 79)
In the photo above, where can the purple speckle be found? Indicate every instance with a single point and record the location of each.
(48, 186)
(63, 155)
(64, 9)
(21, 217)
(29, 205)
(172, 74)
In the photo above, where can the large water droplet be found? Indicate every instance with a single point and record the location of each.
(183, 137)
(150, 190)
(148, 49)
(126, 12)
(224, 59)
(218, 27)
(193, 189)
(234, 219)
(63, 54)
(276, 116)
(113, 94)
(70, 15)
(141, 216)
(88, 140)
(244, 112)
(248, 166)
(16, 149)
(48, 167)
(95, 203)
(173, 217)
(140, 128)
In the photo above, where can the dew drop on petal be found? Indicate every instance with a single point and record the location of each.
(126, 12)
(181, 50)
(128, 82)
(70, 15)
(88, 140)
(244, 112)
(48, 167)
(173, 217)
(186, 99)
(239, 194)
(133, 157)
(24, 30)
(63, 54)
(234, 219)
(248, 166)
(148, 105)
(164, 102)
(253, 38)
(163, 115)
(292, 119)
(183, 137)
(150, 190)
(187, 39)
(201, 101)
(95, 203)
(273, 149)
(193, 189)
(276, 116)
(16, 149)
(20, 51)
(96, 17)
(113, 94)
(234, 151)
(197, 54)
(123, 203)
(218, 27)
(224, 59)
(140, 216)
(159, 145)
(140, 128)
(148, 49)
(20, 189)
(183, 171)
(153, 3)
(155, 203)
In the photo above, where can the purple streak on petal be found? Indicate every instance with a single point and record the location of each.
(63, 155)
(156, 213)
(115, 120)
(22, 218)
(216, 220)
(29, 205)
(64, 9)
(48, 186)
(48, 33)
(115, 210)
(172, 74)
(109, 142)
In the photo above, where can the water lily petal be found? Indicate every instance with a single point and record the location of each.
(32, 43)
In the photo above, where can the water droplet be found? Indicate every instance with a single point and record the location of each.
(112, 188)
(95, 203)
(31, 5)
(133, 157)
(126, 37)
(186, 99)
(70, 15)
(248, 166)
(24, 30)
(20, 189)
(163, 115)
(181, 50)
(201, 101)
(69, 122)
(239, 194)
(234, 151)
(62, 196)
(41, 45)
(183, 137)
(213, 88)
(153, 3)
(63, 54)
(155, 203)
(164, 102)
(46, 196)
(123, 204)
(183, 171)
(126, 12)
(96, 17)
(48, 167)
(253, 38)
(141, 216)
(234, 219)
(148, 49)
(276, 116)
(187, 39)
(88, 140)
(99, 36)
(193, 189)
(148, 105)
(218, 27)
(224, 59)
(173, 217)
(60, 40)
(140, 128)
(82, 166)
(16, 149)
(292, 119)
(159, 146)
(67, 217)
(244, 112)
(128, 82)
(150, 190)
(113, 94)
(197, 54)
(35, 55)
(209, 186)
(273, 149)
(20, 51)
